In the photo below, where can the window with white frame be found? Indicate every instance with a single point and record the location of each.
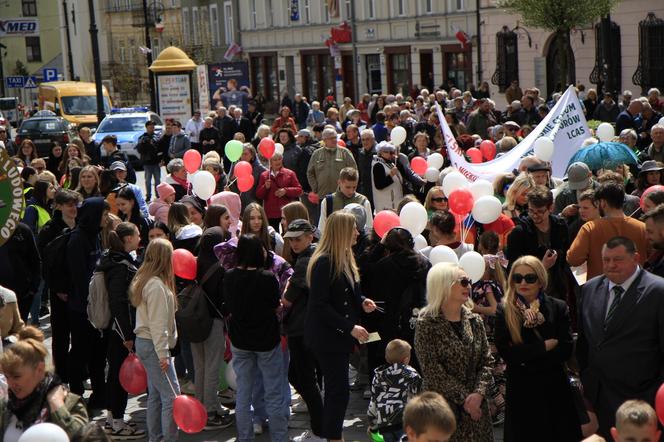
(196, 25)
(369, 9)
(268, 13)
(122, 51)
(460, 5)
(252, 14)
(186, 26)
(155, 47)
(228, 22)
(214, 25)
(131, 49)
(306, 10)
(400, 8)
(326, 12)
(347, 11)
(427, 6)
(128, 5)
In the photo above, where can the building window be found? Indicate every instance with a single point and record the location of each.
(228, 22)
(457, 66)
(347, 10)
(32, 49)
(307, 12)
(195, 25)
(214, 25)
(507, 59)
(155, 47)
(264, 79)
(326, 12)
(401, 7)
(186, 26)
(318, 76)
(607, 80)
(460, 5)
(370, 9)
(268, 13)
(29, 8)
(122, 51)
(399, 72)
(650, 72)
(252, 14)
(427, 6)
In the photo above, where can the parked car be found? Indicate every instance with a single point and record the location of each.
(43, 129)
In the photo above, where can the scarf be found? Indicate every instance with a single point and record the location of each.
(523, 306)
(182, 182)
(33, 409)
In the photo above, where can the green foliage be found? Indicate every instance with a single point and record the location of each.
(20, 69)
(558, 15)
(594, 124)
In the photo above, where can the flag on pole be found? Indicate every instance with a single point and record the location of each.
(232, 51)
(460, 35)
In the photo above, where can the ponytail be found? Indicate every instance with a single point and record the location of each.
(115, 238)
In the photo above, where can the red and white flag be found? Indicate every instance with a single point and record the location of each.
(460, 35)
(232, 51)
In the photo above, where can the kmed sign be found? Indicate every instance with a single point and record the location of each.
(19, 27)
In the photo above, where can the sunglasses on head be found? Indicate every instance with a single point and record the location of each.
(530, 278)
(439, 199)
(465, 282)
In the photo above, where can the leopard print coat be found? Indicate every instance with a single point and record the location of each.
(457, 366)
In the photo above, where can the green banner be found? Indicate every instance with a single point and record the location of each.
(11, 196)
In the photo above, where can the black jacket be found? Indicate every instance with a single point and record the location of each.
(245, 127)
(20, 265)
(148, 148)
(93, 151)
(210, 134)
(298, 294)
(83, 251)
(163, 144)
(213, 287)
(364, 159)
(51, 230)
(332, 311)
(119, 155)
(118, 276)
(303, 162)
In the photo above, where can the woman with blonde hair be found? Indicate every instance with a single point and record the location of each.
(532, 334)
(453, 351)
(331, 327)
(516, 197)
(152, 293)
(88, 182)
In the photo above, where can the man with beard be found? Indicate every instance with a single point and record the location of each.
(654, 220)
(587, 247)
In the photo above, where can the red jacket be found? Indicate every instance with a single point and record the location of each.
(284, 179)
(281, 122)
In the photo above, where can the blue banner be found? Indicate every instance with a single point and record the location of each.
(229, 83)
(295, 10)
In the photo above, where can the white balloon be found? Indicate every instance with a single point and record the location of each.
(544, 148)
(487, 209)
(432, 174)
(473, 264)
(204, 184)
(661, 121)
(413, 217)
(44, 432)
(435, 160)
(398, 135)
(231, 377)
(279, 148)
(454, 180)
(605, 132)
(480, 188)
(420, 242)
(443, 254)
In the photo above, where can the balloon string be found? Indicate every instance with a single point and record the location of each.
(472, 222)
(171, 384)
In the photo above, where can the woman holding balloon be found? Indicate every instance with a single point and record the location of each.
(277, 187)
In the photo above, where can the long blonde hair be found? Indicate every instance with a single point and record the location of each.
(337, 244)
(157, 262)
(522, 183)
(440, 279)
(513, 317)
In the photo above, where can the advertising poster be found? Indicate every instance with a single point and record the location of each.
(174, 97)
(228, 83)
(203, 89)
(11, 196)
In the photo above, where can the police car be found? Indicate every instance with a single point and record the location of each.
(127, 124)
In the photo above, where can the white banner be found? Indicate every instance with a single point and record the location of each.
(203, 89)
(174, 97)
(565, 124)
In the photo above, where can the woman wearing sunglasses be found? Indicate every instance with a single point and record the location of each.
(532, 334)
(453, 352)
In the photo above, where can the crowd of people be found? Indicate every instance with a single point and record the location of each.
(298, 286)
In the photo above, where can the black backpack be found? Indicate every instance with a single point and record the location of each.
(54, 262)
(193, 317)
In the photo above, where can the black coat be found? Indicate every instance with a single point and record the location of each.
(245, 127)
(333, 310)
(298, 294)
(118, 276)
(149, 149)
(539, 397)
(119, 155)
(20, 265)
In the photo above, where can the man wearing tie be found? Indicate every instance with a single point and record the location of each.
(242, 124)
(620, 348)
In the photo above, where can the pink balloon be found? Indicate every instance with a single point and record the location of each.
(341, 143)
(313, 198)
(474, 154)
(461, 202)
(192, 160)
(655, 188)
(384, 221)
(242, 168)
(184, 264)
(266, 147)
(245, 183)
(419, 165)
(488, 149)
(189, 414)
(133, 377)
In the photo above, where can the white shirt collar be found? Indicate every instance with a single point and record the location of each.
(628, 282)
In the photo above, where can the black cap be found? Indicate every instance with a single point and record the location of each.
(298, 227)
(539, 166)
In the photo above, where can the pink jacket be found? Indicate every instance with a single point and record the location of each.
(231, 201)
(159, 210)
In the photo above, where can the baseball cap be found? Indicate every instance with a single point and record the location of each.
(539, 166)
(304, 133)
(578, 176)
(298, 227)
(118, 165)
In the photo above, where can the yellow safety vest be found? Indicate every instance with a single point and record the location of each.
(42, 216)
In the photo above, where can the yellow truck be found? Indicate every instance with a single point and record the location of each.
(75, 101)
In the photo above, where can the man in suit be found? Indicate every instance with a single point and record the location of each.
(242, 124)
(621, 333)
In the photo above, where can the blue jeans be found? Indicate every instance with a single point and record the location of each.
(258, 395)
(151, 170)
(161, 425)
(269, 365)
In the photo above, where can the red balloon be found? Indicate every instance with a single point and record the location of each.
(266, 147)
(384, 221)
(133, 377)
(659, 403)
(242, 168)
(655, 188)
(488, 149)
(189, 414)
(474, 154)
(419, 165)
(313, 198)
(184, 264)
(245, 183)
(461, 202)
(341, 143)
(192, 160)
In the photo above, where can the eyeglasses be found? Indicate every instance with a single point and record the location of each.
(465, 282)
(530, 278)
(440, 199)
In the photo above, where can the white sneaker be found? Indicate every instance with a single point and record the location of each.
(308, 436)
(258, 429)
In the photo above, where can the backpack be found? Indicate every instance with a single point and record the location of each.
(99, 306)
(193, 317)
(55, 261)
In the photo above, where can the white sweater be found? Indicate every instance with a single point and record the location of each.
(155, 317)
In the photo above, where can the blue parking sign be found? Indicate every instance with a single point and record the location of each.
(50, 74)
